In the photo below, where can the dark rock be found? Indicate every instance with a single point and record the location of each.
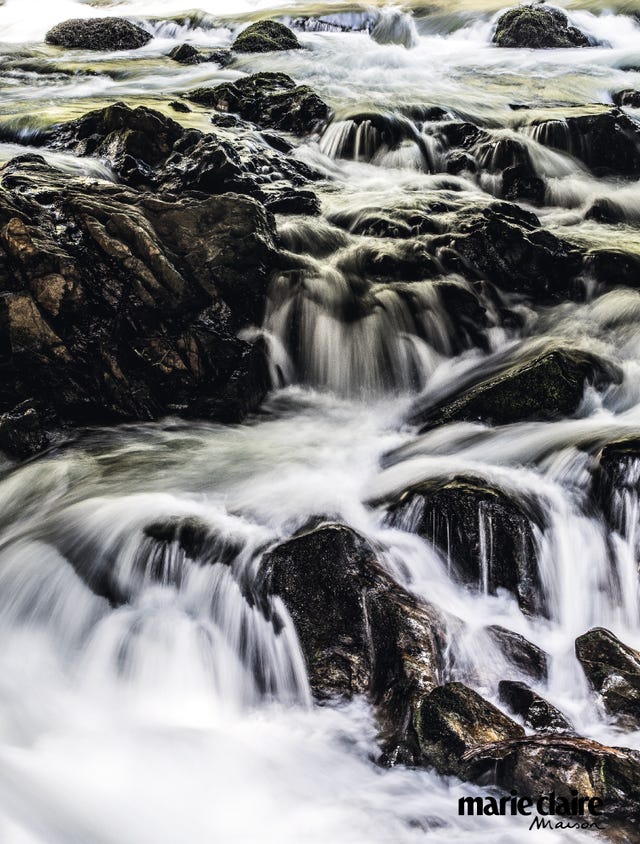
(116, 305)
(535, 711)
(270, 100)
(617, 482)
(183, 108)
(21, 431)
(453, 720)
(186, 54)
(550, 386)
(460, 162)
(98, 34)
(360, 632)
(606, 140)
(523, 654)
(505, 245)
(614, 267)
(484, 532)
(265, 36)
(629, 97)
(537, 765)
(364, 135)
(147, 149)
(613, 669)
(537, 27)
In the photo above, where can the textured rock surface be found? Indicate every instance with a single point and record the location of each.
(265, 36)
(98, 34)
(453, 720)
(360, 632)
(538, 28)
(119, 305)
(486, 534)
(536, 712)
(613, 669)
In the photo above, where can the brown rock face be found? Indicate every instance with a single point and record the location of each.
(119, 305)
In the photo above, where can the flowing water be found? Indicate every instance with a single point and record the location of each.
(184, 713)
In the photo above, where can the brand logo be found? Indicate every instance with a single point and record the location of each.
(552, 811)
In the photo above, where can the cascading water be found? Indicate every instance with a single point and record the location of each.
(150, 690)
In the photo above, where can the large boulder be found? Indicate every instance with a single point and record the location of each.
(270, 100)
(538, 765)
(98, 34)
(536, 712)
(265, 36)
(628, 97)
(453, 720)
(505, 245)
(613, 669)
(537, 27)
(486, 534)
(118, 305)
(360, 632)
(549, 386)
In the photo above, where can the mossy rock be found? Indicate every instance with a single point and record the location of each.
(537, 28)
(265, 37)
(98, 34)
(550, 386)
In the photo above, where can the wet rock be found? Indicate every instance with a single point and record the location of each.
(606, 140)
(537, 765)
(186, 54)
(613, 267)
(485, 533)
(616, 479)
(523, 654)
(550, 386)
(505, 245)
(21, 431)
(537, 713)
(183, 108)
(98, 34)
(270, 100)
(147, 149)
(363, 136)
(117, 305)
(265, 36)
(537, 27)
(360, 632)
(613, 669)
(453, 720)
(460, 162)
(629, 97)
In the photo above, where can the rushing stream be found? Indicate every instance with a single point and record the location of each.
(184, 714)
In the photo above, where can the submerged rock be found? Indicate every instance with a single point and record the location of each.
(360, 632)
(485, 534)
(605, 139)
(550, 386)
(613, 669)
(505, 245)
(537, 27)
(453, 720)
(523, 654)
(188, 54)
(98, 34)
(265, 36)
(629, 97)
(617, 481)
(271, 100)
(538, 765)
(537, 713)
(117, 305)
